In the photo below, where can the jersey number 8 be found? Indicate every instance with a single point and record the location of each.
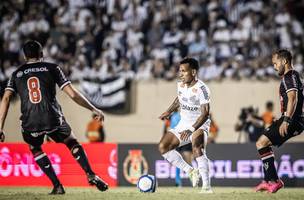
(33, 86)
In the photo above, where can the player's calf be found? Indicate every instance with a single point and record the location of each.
(79, 154)
(45, 164)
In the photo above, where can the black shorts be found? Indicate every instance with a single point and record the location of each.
(187, 147)
(272, 133)
(58, 134)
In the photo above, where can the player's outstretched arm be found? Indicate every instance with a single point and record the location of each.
(173, 107)
(74, 94)
(4, 106)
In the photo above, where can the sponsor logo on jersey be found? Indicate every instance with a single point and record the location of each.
(37, 69)
(185, 107)
(19, 74)
(134, 166)
(205, 92)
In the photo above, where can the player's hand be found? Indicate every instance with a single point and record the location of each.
(185, 135)
(283, 128)
(99, 115)
(2, 136)
(164, 116)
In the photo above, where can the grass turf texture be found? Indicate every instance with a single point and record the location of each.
(162, 193)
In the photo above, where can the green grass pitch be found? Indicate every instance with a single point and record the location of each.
(162, 193)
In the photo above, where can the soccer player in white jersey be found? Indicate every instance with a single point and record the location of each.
(193, 98)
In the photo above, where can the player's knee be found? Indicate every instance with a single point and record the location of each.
(36, 150)
(72, 144)
(260, 143)
(197, 150)
(162, 148)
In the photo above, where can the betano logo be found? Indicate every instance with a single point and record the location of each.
(17, 164)
(134, 166)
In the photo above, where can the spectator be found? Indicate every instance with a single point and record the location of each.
(250, 123)
(156, 32)
(95, 131)
(213, 132)
(267, 116)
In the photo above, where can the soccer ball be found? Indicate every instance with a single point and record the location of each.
(147, 183)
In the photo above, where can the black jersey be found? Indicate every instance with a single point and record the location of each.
(291, 81)
(36, 85)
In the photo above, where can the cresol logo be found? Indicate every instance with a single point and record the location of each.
(23, 164)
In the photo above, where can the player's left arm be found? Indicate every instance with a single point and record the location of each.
(73, 93)
(291, 107)
(4, 107)
(77, 97)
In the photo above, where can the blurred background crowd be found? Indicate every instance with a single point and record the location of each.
(145, 39)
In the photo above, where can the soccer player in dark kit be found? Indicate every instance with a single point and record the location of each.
(35, 83)
(289, 125)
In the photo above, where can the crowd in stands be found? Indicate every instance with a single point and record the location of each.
(145, 39)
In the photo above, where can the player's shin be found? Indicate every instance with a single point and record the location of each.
(177, 160)
(44, 163)
(203, 167)
(81, 157)
(267, 157)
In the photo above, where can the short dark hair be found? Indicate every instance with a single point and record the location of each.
(283, 54)
(269, 104)
(32, 49)
(193, 63)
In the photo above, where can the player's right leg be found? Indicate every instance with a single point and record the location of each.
(42, 160)
(270, 137)
(167, 145)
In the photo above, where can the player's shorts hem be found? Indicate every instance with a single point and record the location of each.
(183, 143)
(272, 133)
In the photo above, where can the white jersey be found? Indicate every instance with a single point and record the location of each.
(191, 99)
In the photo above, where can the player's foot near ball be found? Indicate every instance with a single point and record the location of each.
(273, 187)
(206, 190)
(98, 182)
(59, 189)
(194, 177)
(261, 187)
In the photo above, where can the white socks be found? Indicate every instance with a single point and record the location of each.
(203, 167)
(177, 160)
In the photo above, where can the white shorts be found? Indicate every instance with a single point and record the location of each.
(181, 126)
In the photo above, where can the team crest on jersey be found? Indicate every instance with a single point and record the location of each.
(185, 99)
(19, 74)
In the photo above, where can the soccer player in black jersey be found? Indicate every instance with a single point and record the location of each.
(289, 125)
(35, 83)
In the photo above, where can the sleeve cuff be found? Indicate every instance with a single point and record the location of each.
(11, 89)
(291, 89)
(65, 84)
